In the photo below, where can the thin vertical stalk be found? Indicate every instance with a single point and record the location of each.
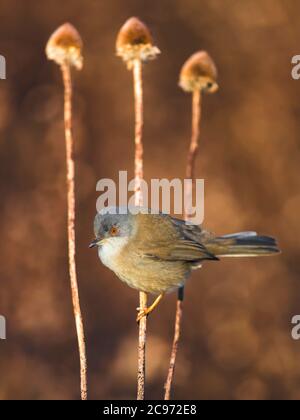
(138, 165)
(190, 169)
(139, 121)
(142, 350)
(177, 333)
(196, 115)
(65, 68)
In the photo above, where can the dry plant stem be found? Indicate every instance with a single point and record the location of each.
(190, 169)
(196, 115)
(138, 164)
(142, 350)
(138, 107)
(65, 68)
(177, 332)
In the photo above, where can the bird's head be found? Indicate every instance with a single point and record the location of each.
(113, 227)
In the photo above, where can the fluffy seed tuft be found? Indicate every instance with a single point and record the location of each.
(199, 72)
(134, 41)
(64, 46)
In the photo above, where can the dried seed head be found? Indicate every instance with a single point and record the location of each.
(199, 72)
(64, 46)
(134, 41)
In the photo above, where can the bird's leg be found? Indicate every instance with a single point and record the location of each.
(146, 311)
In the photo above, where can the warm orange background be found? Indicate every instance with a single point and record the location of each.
(236, 341)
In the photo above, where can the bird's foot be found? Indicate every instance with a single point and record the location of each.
(146, 311)
(141, 313)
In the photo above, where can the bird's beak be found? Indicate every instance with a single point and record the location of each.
(94, 243)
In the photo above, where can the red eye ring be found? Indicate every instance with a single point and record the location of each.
(113, 231)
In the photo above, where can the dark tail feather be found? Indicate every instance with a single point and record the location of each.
(243, 244)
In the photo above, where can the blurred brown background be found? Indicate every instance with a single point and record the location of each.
(236, 340)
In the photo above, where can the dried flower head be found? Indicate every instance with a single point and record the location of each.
(199, 72)
(134, 41)
(64, 46)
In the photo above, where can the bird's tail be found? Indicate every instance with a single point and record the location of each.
(243, 244)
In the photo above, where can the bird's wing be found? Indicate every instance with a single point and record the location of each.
(183, 250)
(176, 241)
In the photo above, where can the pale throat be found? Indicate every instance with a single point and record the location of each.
(110, 249)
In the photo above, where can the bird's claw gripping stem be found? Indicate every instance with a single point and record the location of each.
(146, 311)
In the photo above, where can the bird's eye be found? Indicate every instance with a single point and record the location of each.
(113, 231)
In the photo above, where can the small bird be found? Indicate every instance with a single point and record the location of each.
(156, 253)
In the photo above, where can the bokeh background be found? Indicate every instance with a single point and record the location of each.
(236, 340)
